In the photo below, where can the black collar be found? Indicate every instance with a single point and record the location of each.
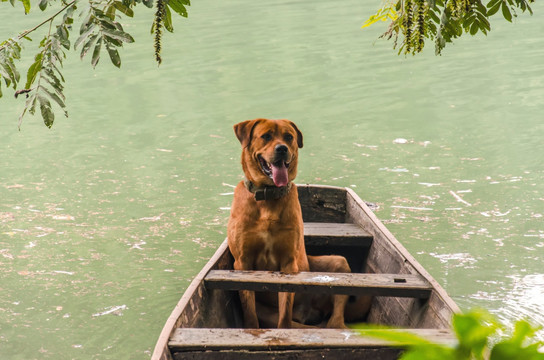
(267, 192)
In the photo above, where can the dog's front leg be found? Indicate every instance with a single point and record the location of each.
(247, 298)
(285, 309)
(286, 300)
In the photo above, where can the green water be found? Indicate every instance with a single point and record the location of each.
(105, 218)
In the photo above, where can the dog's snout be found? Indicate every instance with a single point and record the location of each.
(281, 149)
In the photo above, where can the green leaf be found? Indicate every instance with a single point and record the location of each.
(115, 42)
(26, 4)
(168, 20)
(85, 49)
(33, 70)
(493, 3)
(84, 36)
(87, 22)
(118, 35)
(473, 330)
(123, 8)
(114, 55)
(63, 35)
(16, 51)
(506, 12)
(29, 105)
(474, 28)
(43, 4)
(96, 53)
(55, 97)
(111, 12)
(178, 7)
(434, 17)
(522, 330)
(47, 114)
(9, 71)
(493, 10)
(429, 352)
(484, 23)
(107, 23)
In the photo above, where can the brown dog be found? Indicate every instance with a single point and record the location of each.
(265, 230)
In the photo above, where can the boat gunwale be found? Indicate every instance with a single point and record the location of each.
(169, 327)
(377, 224)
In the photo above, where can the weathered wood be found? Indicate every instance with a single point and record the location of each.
(388, 255)
(320, 282)
(306, 354)
(335, 234)
(322, 203)
(187, 339)
(184, 311)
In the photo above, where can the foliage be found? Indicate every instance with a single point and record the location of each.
(475, 332)
(440, 21)
(100, 28)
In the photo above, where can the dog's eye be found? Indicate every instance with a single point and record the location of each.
(266, 137)
(288, 137)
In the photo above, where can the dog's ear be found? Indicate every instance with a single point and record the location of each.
(244, 131)
(299, 134)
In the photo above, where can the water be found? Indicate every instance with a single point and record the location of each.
(105, 218)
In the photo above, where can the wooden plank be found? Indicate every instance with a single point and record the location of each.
(188, 339)
(405, 285)
(322, 203)
(306, 354)
(335, 234)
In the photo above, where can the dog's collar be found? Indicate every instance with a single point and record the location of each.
(267, 192)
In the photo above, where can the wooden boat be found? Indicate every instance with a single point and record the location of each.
(207, 322)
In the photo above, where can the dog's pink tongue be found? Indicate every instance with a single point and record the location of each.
(279, 175)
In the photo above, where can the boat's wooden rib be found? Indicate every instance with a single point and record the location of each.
(185, 339)
(405, 285)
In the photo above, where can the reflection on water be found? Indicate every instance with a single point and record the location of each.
(523, 298)
(106, 218)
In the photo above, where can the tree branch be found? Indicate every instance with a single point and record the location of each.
(25, 33)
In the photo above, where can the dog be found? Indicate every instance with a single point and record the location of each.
(265, 229)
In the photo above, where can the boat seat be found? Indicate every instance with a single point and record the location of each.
(335, 234)
(396, 285)
(232, 340)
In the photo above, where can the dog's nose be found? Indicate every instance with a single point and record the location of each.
(281, 149)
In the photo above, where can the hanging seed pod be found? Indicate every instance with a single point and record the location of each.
(408, 24)
(158, 23)
(421, 14)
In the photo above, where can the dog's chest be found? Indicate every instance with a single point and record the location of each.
(266, 249)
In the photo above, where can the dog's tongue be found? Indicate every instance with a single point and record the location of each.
(279, 174)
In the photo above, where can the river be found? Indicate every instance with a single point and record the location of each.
(105, 218)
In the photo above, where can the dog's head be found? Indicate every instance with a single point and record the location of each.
(269, 150)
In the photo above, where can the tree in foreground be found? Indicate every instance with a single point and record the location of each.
(479, 336)
(411, 24)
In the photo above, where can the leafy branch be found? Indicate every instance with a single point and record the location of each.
(100, 28)
(46, 69)
(441, 21)
(477, 335)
